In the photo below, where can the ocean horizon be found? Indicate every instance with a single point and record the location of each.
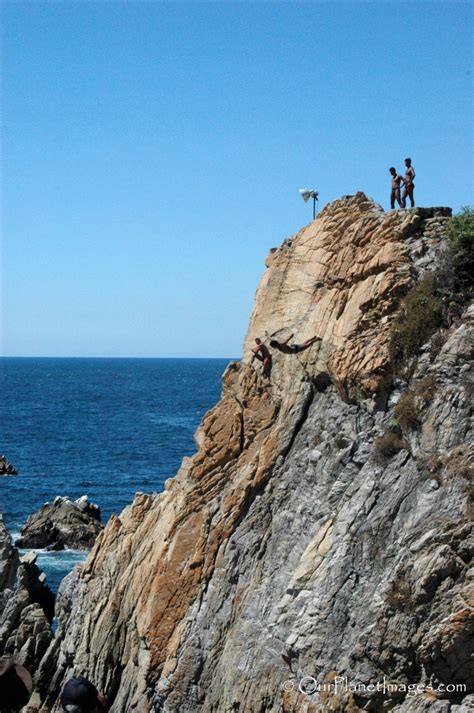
(105, 427)
(123, 358)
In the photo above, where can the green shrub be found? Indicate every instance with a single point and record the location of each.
(455, 275)
(394, 426)
(419, 316)
(461, 244)
(407, 412)
(438, 299)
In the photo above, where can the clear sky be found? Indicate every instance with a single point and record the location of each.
(153, 152)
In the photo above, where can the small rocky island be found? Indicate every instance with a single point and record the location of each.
(62, 524)
(6, 468)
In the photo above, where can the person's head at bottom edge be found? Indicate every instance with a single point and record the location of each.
(81, 696)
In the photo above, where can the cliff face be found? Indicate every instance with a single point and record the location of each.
(339, 278)
(287, 546)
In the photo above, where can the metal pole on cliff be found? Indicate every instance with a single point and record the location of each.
(307, 194)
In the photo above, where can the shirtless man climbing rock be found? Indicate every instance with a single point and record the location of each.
(261, 353)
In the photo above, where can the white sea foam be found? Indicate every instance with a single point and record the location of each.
(46, 552)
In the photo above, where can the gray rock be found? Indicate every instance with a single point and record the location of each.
(26, 606)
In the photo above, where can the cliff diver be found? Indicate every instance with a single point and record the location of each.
(408, 185)
(261, 353)
(395, 192)
(293, 348)
(80, 696)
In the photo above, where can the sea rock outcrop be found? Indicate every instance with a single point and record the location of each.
(6, 468)
(26, 606)
(293, 564)
(61, 524)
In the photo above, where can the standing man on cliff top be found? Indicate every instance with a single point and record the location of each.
(395, 193)
(408, 184)
(261, 353)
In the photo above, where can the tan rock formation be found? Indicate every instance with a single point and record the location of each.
(339, 279)
(269, 555)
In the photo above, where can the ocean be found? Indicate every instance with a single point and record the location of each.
(105, 428)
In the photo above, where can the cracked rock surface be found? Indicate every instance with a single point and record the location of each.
(26, 606)
(287, 547)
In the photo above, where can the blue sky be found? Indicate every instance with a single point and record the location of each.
(153, 152)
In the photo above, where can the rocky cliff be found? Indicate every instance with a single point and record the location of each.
(295, 548)
(26, 606)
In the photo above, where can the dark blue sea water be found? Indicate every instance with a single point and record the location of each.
(105, 428)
